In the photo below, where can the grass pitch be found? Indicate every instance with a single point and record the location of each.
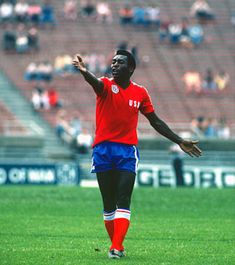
(45, 225)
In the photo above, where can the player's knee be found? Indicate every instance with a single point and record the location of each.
(109, 206)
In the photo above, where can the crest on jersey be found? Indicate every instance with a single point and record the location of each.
(115, 89)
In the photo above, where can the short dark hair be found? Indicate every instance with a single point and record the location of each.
(130, 57)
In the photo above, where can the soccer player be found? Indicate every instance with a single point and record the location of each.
(115, 155)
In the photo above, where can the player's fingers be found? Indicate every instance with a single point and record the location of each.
(190, 153)
(195, 141)
(197, 150)
(195, 153)
(78, 56)
(76, 63)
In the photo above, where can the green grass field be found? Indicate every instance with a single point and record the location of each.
(45, 225)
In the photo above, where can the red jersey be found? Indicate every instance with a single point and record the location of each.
(117, 112)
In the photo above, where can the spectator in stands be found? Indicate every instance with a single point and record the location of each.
(208, 83)
(45, 71)
(192, 81)
(62, 128)
(68, 68)
(202, 11)
(198, 126)
(84, 141)
(34, 13)
(36, 98)
(63, 65)
(48, 14)
(31, 72)
(6, 12)
(59, 64)
(70, 9)
(211, 130)
(104, 13)
(139, 15)
(126, 15)
(88, 8)
(76, 125)
(96, 63)
(40, 99)
(53, 98)
(33, 38)
(22, 41)
(152, 15)
(221, 80)
(21, 9)
(9, 39)
(196, 34)
(223, 129)
(175, 31)
(45, 100)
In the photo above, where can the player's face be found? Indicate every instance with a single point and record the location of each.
(119, 66)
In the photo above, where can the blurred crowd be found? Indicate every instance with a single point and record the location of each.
(72, 131)
(188, 31)
(23, 20)
(207, 83)
(27, 12)
(204, 127)
(21, 39)
(97, 63)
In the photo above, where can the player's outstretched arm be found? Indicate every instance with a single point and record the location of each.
(97, 84)
(160, 126)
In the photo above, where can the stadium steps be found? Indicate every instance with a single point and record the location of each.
(52, 149)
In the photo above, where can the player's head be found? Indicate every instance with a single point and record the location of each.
(123, 64)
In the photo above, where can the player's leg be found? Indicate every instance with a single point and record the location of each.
(108, 187)
(126, 180)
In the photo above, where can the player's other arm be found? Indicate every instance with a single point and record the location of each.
(161, 127)
(97, 84)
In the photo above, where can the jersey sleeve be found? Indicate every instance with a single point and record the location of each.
(146, 105)
(106, 82)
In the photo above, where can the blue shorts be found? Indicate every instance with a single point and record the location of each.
(109, 155)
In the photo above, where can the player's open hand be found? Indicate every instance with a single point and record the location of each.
(190, 148)
(78, 62)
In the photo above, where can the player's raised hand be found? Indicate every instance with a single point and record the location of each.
(190, 148)
(78, 62)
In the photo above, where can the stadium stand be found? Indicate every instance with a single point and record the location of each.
(25, 135)
(160, 70)
(162, 75)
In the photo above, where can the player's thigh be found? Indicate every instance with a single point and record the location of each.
(107, 184)
(126, 182)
